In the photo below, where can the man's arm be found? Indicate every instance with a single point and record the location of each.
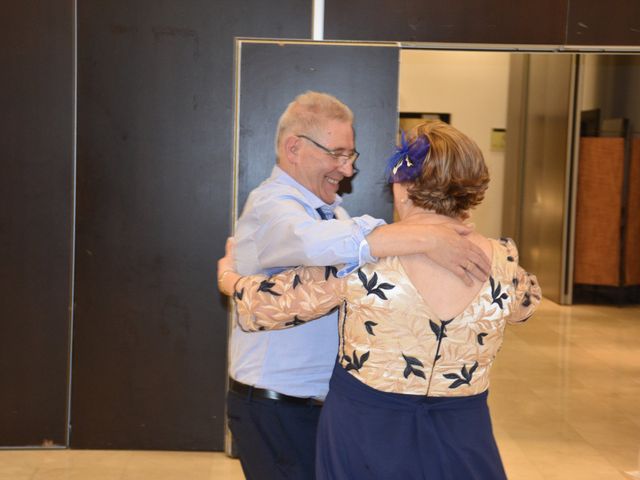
(290, 235)
(443, 243)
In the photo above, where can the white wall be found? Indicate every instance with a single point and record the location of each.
(473, 88)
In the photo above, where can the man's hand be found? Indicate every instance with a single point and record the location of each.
(452, 250)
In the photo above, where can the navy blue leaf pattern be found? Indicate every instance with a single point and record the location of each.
(296, 281)
(372, 282)
(266, 286)
(369, 326)
(496, 293)
(363, 278)
(330, 270)
(355, 363)
(294, 322)
(463, 378)
(457, 383)
(435, 328)
(371, 287)
(412, 364)
(481, 337)
(440, 331)
(239, 294)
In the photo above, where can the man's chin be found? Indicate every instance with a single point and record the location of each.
(328, 199)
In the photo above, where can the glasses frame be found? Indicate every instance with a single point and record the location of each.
(341, 158)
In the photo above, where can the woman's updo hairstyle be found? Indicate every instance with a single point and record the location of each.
(453, 176)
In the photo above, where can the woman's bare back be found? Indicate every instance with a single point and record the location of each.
(443, 291)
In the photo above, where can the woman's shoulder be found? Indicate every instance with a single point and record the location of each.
(507, 246)
(505, 257)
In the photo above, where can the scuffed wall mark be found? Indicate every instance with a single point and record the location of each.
(160, 32)
(583, 25)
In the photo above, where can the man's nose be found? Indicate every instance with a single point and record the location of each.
(347, 169)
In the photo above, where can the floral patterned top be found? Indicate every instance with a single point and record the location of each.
(390, 339)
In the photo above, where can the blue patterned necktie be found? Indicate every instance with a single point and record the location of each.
(325, 214)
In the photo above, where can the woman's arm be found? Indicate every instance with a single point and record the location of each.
(445, 244)
(285, 300)
(527, 298)
(527, 295)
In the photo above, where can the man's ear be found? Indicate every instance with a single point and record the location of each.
(292, 148)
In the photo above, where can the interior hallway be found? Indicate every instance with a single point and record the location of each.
(565, 400)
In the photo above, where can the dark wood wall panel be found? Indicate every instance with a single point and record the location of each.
(596, 22)
(154, 198)
(487, 21)
(598, 212)
(36, 185)
(632, 238)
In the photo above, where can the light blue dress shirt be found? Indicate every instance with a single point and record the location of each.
(280, 227)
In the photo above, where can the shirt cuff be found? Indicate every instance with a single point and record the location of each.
(366, 224)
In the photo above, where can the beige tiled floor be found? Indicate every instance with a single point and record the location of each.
(117, 465)
(565, 400)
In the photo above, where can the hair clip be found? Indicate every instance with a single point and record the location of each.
(406, 162)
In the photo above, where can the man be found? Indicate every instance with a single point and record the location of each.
(278, 379)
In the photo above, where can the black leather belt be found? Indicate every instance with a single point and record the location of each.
(255, 392)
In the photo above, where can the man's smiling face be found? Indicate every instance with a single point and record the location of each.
(317, 170)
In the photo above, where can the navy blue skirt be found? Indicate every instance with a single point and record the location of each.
(368, 434)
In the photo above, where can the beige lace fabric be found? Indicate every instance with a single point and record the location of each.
(389, 337)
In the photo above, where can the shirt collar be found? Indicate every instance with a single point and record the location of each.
(283, 177)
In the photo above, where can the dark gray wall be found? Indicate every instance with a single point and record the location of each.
(488, 21)
(549, 22)
(154, 199)
(596, 22)
(36, 156)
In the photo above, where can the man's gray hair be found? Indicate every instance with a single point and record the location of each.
(308, 112)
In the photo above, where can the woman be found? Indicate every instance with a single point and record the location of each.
(408, 394)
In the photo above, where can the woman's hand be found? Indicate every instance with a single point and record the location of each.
(227, 276)
(446, 243)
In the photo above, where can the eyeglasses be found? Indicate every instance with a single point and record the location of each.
(343, 158)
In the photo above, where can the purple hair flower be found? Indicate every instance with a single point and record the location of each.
(406, 162)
